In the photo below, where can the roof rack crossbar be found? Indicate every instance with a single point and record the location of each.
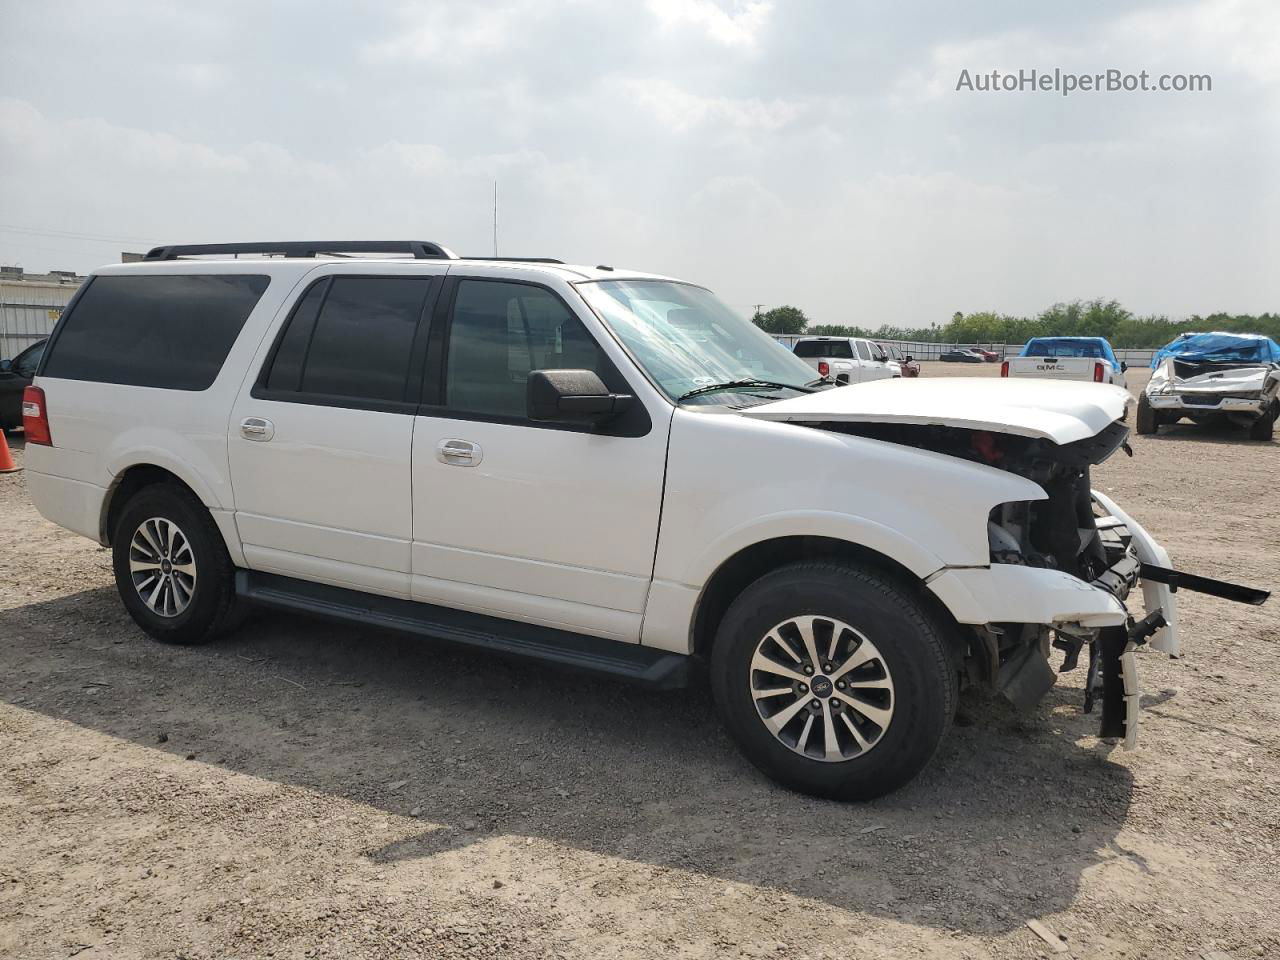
(420, 249)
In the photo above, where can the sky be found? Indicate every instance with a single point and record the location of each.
(811, 153)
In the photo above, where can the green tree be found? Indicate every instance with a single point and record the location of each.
(785, 319)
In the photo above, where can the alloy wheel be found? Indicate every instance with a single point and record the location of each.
(162, 566)
(822, 688)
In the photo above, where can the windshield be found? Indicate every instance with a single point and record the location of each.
(685, 338)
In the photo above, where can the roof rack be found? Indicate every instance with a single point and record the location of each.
(516, 259)
(420, 249)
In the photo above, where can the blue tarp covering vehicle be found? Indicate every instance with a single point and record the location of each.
(1220, 348)
(1096, 347)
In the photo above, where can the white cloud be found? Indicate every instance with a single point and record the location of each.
(680, 111)
(732, 25)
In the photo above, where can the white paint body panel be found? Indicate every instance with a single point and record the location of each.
(553, 524)
(1054, 410)
(803, 481)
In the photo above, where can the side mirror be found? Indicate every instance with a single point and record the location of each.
(1123, 366)
(572, 396)
(6, 366)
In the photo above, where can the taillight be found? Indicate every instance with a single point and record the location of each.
(35, 417)
(824, 368)
(1004, 369)
(1097, 373)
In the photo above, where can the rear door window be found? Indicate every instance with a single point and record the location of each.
(863, 352)
(351, 341)
(172, 332)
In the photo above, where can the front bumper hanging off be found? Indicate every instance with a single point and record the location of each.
(1113, 664)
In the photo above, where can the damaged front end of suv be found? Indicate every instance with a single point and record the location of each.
(1214, 377)
(1063, 568)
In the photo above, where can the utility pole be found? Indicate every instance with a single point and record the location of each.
(495, 218)
(757, 306)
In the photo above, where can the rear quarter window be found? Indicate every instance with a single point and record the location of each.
(172, 332)
(838, 349)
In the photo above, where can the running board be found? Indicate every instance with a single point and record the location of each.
(1177, 580)
(630, 662)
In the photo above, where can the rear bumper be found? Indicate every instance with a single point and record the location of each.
(73, 504)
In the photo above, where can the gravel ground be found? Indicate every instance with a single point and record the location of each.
(306, 790)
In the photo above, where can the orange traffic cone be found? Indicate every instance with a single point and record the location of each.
(6, 458)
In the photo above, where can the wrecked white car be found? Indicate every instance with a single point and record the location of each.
(1212, 377)
(599, 469)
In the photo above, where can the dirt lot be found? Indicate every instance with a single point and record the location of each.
(305, 790)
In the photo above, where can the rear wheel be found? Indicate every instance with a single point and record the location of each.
(172, 568)
(833, 679)
(1148, 421)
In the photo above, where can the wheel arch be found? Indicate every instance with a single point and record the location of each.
(130, 481)
(752, 562)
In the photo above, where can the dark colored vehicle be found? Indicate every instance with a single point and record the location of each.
(15, 375)
(963, 356)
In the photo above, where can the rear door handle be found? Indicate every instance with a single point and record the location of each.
(459, 453)
(257, 428)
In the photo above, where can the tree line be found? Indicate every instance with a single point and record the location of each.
(1079, 318)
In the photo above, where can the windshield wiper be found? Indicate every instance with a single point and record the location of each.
(746, 382)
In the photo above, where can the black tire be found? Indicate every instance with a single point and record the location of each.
(1148, 421)
(211, 609)
(909, 638)
(1264, 428)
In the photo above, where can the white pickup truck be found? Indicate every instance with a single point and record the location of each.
(847, 359)
(1067, 358)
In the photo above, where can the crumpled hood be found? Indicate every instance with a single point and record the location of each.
(1058, 410)
(1233, 379)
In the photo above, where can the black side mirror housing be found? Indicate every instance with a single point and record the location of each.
(572, 396)
(1123, 366)
(6, 366)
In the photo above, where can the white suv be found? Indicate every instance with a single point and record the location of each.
(601, 468)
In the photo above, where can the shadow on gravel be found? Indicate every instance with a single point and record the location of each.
(1223, 432)
(999, 829)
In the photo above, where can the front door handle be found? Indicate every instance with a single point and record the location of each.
(257, 428)
(459, 453)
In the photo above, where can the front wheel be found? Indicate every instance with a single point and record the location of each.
(1148, 419)
(171, 566)
(833, 679)
(1264, 428)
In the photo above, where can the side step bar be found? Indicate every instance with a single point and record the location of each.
(1176, 580)
(630, 662)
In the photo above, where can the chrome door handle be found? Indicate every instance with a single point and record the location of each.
(459, 453)
(257, 428)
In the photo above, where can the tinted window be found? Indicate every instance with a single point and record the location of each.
(863, 352)
(824, 348)
(154, 331)
(25, 363)
(502, 331)
(361, 343)
(286, 369)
